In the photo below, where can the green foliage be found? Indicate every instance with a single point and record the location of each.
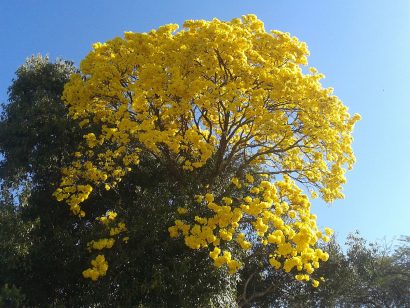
(35, 140)
(14, 240)
(381, 275)
(34, 129)
(11, 297)
(367, 275)
(153, 270)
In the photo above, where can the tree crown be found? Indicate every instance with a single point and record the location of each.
(228, 110)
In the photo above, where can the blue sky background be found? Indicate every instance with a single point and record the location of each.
(363, 48)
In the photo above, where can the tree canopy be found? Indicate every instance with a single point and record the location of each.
(227, 110)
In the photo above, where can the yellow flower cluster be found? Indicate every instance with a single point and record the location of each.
(225, 258)
(117, 230)
(100, 265)
(229, 91)
(245, 245)
(101, 243)
(109, 216)
(280, 217)
(99, 268)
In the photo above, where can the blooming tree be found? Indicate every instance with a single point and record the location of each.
(229, 106)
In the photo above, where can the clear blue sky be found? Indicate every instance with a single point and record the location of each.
(363, 48)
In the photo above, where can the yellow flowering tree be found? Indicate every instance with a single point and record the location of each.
(242, 130)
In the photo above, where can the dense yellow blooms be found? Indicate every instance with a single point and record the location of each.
(229, 91)
(279, 215)
(99, 268)
(102, 243)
